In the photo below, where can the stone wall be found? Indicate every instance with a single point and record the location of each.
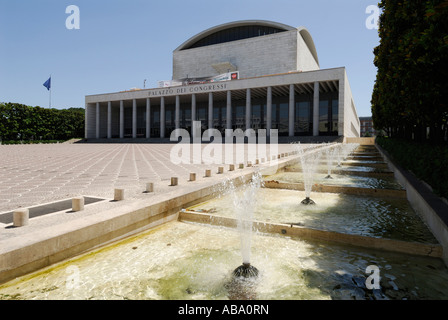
(271, 54)
(362, 141)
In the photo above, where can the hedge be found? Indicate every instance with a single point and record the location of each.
(426, 161)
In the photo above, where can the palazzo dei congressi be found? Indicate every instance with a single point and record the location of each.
(244, 74)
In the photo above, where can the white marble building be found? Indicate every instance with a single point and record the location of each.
(280, 86)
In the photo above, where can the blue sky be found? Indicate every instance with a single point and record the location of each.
(121, 43)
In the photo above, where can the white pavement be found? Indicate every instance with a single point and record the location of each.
(35, 174)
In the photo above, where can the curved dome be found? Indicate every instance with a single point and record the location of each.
(244, 29)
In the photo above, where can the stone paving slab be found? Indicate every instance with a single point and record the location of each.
(31, 175)
(35, 174)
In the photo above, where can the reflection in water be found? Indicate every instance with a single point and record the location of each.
(367, 216)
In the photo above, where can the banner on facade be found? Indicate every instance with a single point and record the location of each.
(188, 81)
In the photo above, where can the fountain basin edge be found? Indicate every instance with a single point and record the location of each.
(430, 207)
(412, 248)
(383, 193)
(41, 248)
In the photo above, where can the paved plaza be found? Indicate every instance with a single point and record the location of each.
(45, 179)
(31, 175)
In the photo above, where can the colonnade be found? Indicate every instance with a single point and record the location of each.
(248, 96)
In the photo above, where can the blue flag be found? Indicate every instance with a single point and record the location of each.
(47, 84)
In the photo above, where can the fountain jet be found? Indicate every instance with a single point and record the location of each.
(246, 270)
(330, 153)
(307, 201)
(244, 206)
(309, 161)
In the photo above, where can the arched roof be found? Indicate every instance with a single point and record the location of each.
(306, 35)
(275, 26)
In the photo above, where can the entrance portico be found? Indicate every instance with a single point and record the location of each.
(309, 103)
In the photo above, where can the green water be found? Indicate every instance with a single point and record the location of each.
(367, 216)
(188, 261)
(339, 180)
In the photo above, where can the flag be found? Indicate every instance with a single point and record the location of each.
(47, 84)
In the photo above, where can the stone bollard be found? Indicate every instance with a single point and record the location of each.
(220, 170)
(192, 176)
(149, 187)
(208, 173)
(118, 194)
(231, 167)
(249, 164)
(174, 181)
(241, 166)
(21, 217)
(78, 204)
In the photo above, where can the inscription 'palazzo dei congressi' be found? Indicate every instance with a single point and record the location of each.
(186, 90)
(250, 74)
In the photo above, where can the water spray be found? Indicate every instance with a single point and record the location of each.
(244, 205)
(309, 161)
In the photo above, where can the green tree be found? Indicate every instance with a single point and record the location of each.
(21, 122)
(411, 92)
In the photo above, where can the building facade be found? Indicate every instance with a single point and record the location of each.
(367, 128)
(280, 86)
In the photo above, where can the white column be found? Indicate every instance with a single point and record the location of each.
(291, 110)
(87, 122)
(177, 117)
(316, 110)
(193, 115)
(193, 107)
(121, 119)
(134, 118)
(248, 108)
(90, 122)
(148, 118)
(97, 135)
(177, 113)
(162, 117)
(109, 120)
(229, 110)
(210, 110)
(269, 111)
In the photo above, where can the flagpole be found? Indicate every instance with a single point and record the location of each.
(50, 94)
